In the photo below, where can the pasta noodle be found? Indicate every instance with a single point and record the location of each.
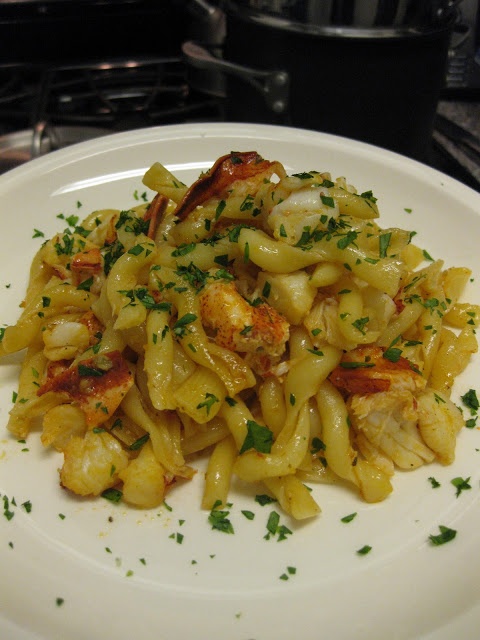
(264, 321)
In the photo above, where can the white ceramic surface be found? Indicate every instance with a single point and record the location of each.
(127, 574)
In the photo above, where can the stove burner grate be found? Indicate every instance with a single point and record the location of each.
(56, 105)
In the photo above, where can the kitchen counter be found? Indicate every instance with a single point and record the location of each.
(449, 156)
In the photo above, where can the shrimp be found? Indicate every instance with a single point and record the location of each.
(87, 266)
(155, 213)
(259, 331)
(89, 260)
(97, 385)
(67, 337)
(225, 172)
(302, 209)
(94, 326)
(92, 463)
(368, 370)
(396, 420)
(323, 319)
(388, 421)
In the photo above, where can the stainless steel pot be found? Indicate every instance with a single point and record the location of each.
(21, 146)
(366, 69)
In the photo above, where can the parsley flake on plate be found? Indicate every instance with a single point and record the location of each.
(446, 535)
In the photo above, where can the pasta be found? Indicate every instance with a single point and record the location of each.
(262, 320)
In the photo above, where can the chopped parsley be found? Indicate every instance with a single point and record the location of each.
(363, 551)
(470, 400)
(317, 445)
(84, 370)
(348, 238)
(360, 324)
(112, 495)
(263, 499)
(461, 484)
(258, 437)
(303, 176)
(291, 571)
(349, 518)
(328, 201)
(180, 326)
(143, 296)
(384, 243)
(219, 520)
(27, 505)
(210, 400)
(111, 255)
(247, 203)
(138, 444)
(86, 284)
(136, 250)
(246, 330)
(266, 289)
(393, 354)
(316, 352)
(219, 210)
(352, 364)
(7, 512)
(446, 535)
(274, 528)
(183, 249)
(427, 256)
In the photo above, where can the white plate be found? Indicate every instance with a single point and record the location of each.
(127, 574)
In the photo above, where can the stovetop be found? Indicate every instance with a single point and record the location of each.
(48, 106)
(114, 93)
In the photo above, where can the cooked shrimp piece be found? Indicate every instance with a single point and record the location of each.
(368, 370)
(97, 385)
(240, 326)
(65, 340)
(439, 421)
(92, 463)
(393, 413)
(60, 424)
(67, 336)
(144, 480)
(322, 320)
(89, 261)
(246, 167)
(155, 213)
(94, 326)
(388, 420)
(382, 405)
(302, 211)
(87, 266)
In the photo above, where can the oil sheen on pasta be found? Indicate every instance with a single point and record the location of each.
(264, 321)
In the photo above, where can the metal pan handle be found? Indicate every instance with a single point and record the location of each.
(273, 85)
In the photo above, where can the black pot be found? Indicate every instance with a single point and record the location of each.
(63, 31)
(379, 82)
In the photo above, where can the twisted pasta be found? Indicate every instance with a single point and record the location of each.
(263, 320)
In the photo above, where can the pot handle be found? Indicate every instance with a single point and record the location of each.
(274, 85)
